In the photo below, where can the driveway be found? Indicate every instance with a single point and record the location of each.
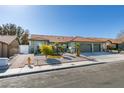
(104, 56)
(20, 60)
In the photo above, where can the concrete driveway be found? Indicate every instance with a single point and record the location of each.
(104, 56)
(20, 60)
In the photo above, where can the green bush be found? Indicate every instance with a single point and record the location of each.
(58, 48)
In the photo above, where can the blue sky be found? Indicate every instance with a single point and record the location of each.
(85, 21)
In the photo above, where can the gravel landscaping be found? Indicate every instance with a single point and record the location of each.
(41, 60)
(20, 61)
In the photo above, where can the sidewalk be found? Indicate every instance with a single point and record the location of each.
(32, 69)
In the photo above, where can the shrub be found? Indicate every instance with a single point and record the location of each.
(46, 50)
(58, 48)
(61, 48)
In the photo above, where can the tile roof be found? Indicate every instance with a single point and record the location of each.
(37, 37)
(7, 39)
(51, 38)
(115, 41)
(82, 39)
(68, 39)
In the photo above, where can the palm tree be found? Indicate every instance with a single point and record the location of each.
(78, 49)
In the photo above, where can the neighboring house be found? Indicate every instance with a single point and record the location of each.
(9, 45)
(86, 44)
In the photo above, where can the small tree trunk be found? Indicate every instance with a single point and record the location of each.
(46, 57)
(78, 52)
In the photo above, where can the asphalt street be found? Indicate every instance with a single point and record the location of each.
(95, 76)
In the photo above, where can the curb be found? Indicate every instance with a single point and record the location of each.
(54, 69)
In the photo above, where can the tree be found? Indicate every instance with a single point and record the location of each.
(78, 49)
(46, 50)
(13, 29)
(120, 36)
(1, 30)
(19, 31)
(62, 49)
(56, 44)
(24, 38)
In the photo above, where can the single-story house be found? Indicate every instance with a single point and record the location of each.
(9, 45)
(36, 40)
(86, 44)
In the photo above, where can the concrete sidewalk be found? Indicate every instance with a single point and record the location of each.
(32, 69)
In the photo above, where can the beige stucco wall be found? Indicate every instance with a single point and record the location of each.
(5, 54)
(9, 50)
(13, 48)
(3, 49)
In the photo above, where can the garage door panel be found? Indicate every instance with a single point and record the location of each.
(96, 47)
(85, 47)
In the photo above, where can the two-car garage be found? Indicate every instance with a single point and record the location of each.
(90, 47)
(90, 44)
